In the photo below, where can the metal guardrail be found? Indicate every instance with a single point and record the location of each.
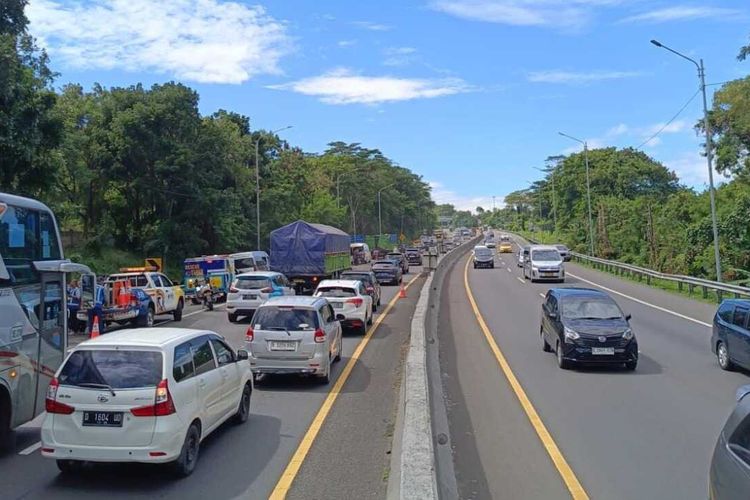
(620, 268)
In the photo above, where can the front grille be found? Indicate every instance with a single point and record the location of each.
(593, 341)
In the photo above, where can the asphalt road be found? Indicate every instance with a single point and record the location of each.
(247, 461)
(646, 434)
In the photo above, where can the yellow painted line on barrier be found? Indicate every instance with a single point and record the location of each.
(292, 469)
(566, 472)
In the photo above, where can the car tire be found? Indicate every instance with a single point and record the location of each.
(69, 466)
(561, 361)
(232, 317)
(185, 463)
(631, 365)
(722, 357)
(256, 378)
(341, 348)
(147, 321)
(325, 379)
(369, 320)
(178, 312)
(243, 412)
(545, 346)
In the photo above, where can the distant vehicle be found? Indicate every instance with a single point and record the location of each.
(730, 338)
(372, 285)
(147, 395)
(489, 242)
(388, 271)
(414, 256)
(251, 290)
(505, 246)
(34, 296)
(523, 254)
(583, 325)
(483, 257)
(564, 252)
(348, 297)
(360, 253)
(116, 302)
(307, 253)
(729, 474)
(543, 263)
(197, 270)
(401, 258)
(295, 335)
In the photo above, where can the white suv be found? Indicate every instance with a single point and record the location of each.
(350, 299)
(146, 395)
(251, 290)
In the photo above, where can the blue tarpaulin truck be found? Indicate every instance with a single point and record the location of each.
(307, 253)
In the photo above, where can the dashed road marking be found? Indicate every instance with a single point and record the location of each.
(520, 279)
(31, 449)
(541, 295)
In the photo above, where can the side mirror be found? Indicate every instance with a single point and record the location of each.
(628, 316)
(340, 317)
(242, 354)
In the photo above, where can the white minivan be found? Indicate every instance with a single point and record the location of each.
(147, 395)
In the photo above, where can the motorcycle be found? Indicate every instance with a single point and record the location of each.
(206, 295)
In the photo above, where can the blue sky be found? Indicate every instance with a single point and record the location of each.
(468, 93)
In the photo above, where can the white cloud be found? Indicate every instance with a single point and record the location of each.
(692, 170)
(212, 41)
(578, 78)
(566, 14)
(441, 195)
(683, 13)
(369, 25)
(346, 43)
(617, 130)
(399, 56)
(341, 86)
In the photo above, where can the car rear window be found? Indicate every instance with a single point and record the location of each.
(361, 277)
(335, 291)
(384, 263)
(252, 283)
(284, 318)
(119, 369)
(482, 252)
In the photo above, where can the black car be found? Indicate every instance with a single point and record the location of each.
(564, 252)
(372, 285)
(582, 325)
(414, 256)
(401, 258)
(730, 338)
(388, 271)
(729, 474)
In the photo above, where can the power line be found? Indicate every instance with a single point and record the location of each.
(670, 120)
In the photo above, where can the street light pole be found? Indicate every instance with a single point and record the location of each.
(257, 185)
(588, 189)
(709, 152)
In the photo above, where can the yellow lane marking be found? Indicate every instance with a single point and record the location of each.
(567, 474)
(290, 473)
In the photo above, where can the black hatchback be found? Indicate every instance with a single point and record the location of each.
(583, 325)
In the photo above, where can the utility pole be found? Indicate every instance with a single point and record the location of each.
(588, 189)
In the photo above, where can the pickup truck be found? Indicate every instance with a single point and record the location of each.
(165, 297)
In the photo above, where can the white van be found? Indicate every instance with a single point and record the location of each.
(544, 262)
(148, 395)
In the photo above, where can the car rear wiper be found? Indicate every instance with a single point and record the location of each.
(279, 329)
(98, 386)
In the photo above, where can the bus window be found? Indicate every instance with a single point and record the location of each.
(19, 245)
(50, 249)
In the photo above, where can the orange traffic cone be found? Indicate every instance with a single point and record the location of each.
(95, 328)
(402, 292)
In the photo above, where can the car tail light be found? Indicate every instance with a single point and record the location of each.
(233, 289)
(51, 404)
(357, 301)
(320, 336)
(267, 289)
(249, 334)
(163, 404)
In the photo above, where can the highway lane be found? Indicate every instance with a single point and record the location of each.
(236, 461)
(647, 434)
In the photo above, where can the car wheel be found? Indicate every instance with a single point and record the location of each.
(545, 346)
(325, 379)
(369, 321)
(341, 348)
(256, 378)
(185, 463)
(378, 300)
(630, 365)
(70, 466)
(475, 265)
(722, 356)
(178, 311)
(243, 412)
(232, 317)
(561, 361)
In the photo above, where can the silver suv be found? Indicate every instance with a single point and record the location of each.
(294, 335)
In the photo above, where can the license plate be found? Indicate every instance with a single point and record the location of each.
(277, 345)
(249, 297)
(102, 418)
(337, 305)
(606, 351)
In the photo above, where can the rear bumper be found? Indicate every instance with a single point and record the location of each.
(278, 366)
(484, 263)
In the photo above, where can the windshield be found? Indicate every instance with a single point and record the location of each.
(284, 318)
(118, 369)
(590, 308)
(545, 255)
(26, 235)
(252, 282)
(335, 292)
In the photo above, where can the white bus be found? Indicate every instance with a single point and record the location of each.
(33, 308)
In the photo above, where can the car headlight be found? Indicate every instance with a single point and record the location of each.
(628, 334)
(571, 334)
(535, 269)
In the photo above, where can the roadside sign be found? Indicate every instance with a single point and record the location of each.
(154, 263)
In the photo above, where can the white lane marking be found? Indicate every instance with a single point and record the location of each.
(658, 308)
(31, 449)
(508, 269)
(520, 279)
(541, 295)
